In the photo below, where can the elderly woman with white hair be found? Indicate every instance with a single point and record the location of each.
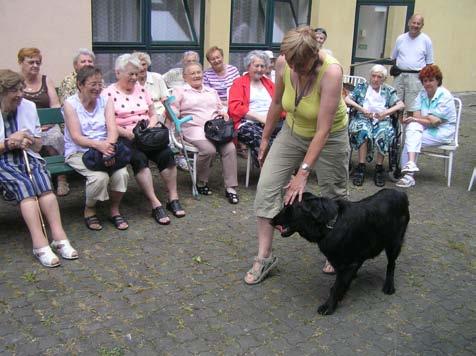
(249, 100)
(152, 82)
(133, 103)
(371, 126)
(82, 58)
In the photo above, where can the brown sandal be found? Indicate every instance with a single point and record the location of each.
(92, 220)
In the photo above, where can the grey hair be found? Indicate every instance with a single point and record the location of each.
(190, 53)
(189, 65)
(83, 52)
(379, 69)
(142, 56)
(124, 59)
(256, 54)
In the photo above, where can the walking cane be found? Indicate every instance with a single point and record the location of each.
(178, 123)
(28, 170)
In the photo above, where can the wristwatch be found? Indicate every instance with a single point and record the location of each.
(305, 167)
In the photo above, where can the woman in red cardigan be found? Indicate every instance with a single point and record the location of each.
(249, 100)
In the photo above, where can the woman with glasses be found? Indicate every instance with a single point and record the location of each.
(41, 90)
(29, 181)
(90, 123)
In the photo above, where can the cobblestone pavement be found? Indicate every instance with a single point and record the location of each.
(177, 289)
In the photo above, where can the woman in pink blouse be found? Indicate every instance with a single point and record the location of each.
(132, 103)
(203, 104)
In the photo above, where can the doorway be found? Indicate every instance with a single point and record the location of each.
(377, 26)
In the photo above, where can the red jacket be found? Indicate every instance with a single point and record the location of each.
(239, 97)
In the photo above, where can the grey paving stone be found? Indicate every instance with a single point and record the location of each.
(178, 289)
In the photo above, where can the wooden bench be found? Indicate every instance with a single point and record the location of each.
(54, 164)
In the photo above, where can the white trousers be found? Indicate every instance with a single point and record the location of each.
(97, 181)
(417, 137)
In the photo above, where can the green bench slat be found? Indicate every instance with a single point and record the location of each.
(54, 164)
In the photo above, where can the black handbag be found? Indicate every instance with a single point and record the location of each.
(218, 130)
(95, 160)
(150, 138)
(395, 71)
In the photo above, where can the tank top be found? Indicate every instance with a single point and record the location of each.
(40, 98)
(303, 118)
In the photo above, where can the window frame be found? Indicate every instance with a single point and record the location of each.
(147, 44)
(268, 26)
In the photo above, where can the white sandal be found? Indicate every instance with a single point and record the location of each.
(46, 257)
(64, 248)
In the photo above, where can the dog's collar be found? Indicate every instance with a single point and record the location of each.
(330, 224)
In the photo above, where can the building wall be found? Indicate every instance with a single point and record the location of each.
(60, 27)
(57, 27)
(337, 17)
(217, 27)
(452, 29)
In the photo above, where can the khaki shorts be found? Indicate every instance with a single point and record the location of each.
(408, 86)
(286, 155)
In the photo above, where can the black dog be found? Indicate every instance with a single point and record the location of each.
(348, 233)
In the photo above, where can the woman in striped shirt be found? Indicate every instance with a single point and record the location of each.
(220, 76)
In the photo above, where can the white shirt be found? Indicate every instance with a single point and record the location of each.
(374, 102)
(413, 53)
(260, 100)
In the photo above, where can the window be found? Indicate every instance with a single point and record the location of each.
(163, 28)
(261, 24)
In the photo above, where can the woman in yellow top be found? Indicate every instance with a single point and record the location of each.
(308, 88)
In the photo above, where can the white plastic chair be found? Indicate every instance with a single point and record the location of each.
(448, 149)
(248, 167)
(191, 150)
(472, 179)
(353, 79)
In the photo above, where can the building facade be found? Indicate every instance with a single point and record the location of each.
(358, 30)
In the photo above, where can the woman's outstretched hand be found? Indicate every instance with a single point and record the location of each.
(295, 188)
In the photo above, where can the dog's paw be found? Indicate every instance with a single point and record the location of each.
(388, 288)
(325, 309)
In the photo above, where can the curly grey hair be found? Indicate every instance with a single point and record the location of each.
(124, 59)
(256, 54)
(83, 52)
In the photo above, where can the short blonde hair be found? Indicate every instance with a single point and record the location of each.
(379, 69)
(28, 52)
(300, 44)
(8, 80)
(211, 50)
(142, 56)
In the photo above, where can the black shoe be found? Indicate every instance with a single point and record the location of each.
(358, 176)
(7, 195)
(379, 177)
(205, 190)
(232, 197)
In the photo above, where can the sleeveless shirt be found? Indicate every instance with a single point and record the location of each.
(303, 118)
(40, 98)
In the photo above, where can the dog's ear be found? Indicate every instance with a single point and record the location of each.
(321, 209)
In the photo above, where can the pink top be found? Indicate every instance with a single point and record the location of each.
(129, 108)
(203, 105)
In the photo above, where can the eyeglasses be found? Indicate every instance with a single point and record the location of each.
(94, 84)
(16, 88)
(31, 62)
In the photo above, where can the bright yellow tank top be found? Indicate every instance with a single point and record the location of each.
(303, 119)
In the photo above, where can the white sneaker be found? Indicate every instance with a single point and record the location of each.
(181, 163)
(406, 181)
(410, 167)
